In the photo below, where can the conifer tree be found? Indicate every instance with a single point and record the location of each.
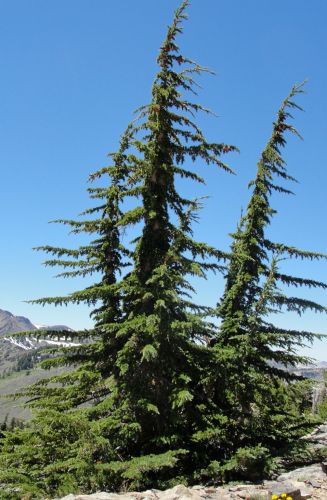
(93, 349)
(157, 394)
(259, 351)
(141, 368)
(251, 248)
(55, 452)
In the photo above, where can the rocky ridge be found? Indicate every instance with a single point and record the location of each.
(10, 323)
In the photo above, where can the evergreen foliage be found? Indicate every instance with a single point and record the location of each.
(251, 286)
(259, 351)
(155, 394)
(140, 369)
(242, 303)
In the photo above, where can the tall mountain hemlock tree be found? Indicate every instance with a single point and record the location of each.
(157, 402)
(259, 350)
(136, 391)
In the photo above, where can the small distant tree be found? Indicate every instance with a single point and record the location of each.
(4, 424)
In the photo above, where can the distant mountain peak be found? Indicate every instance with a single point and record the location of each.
(10, 324)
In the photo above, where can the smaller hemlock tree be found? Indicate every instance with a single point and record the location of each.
(105, 256)
(56, 451)
(259, 351)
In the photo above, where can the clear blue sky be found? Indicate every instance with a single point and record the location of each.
(73, 72)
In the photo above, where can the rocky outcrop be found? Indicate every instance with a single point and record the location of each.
(301, 484)
(319, 437)
(319, 393)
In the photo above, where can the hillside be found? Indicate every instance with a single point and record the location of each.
(18, 356)
(17, 353)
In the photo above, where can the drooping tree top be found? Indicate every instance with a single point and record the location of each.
(250, 264)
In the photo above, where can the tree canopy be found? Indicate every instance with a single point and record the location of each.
(157, 391)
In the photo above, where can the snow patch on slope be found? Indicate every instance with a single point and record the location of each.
(22, 345)
(28, 343)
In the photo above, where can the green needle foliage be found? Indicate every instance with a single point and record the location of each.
(56, 452)
(251, 253)
(135, 384)
(96, 349)
(258, 350)
(155, 394)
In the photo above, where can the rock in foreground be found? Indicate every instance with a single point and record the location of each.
(302, 484)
